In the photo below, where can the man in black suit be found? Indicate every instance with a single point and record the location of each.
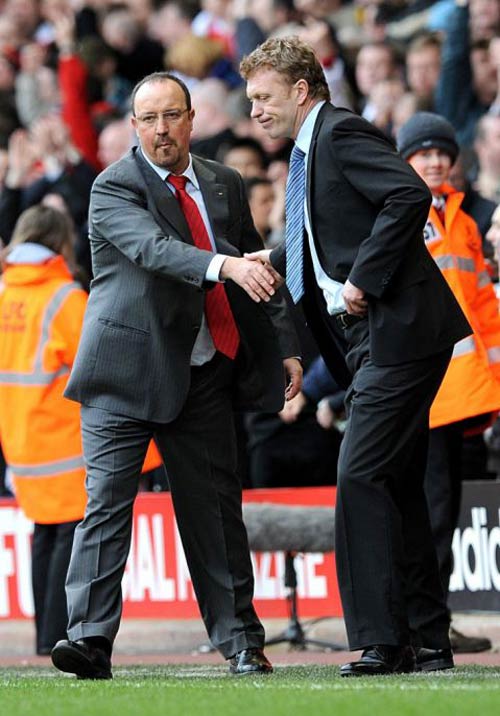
(385, 322)
(167, 350)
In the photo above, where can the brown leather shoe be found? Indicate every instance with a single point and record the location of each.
(463, 644)
(250, 661)
(81, 658)
(380, 660)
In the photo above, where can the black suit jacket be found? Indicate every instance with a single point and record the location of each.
(147, 296)
(368, 208)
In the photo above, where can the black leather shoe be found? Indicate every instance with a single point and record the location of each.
(380, 660)
(81, 658)
(434, 659)
(250, 661)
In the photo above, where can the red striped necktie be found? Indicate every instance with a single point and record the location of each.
(221, 323)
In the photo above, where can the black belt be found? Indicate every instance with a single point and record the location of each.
(346, 320)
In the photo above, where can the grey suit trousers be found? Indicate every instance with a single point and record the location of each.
(199, 451)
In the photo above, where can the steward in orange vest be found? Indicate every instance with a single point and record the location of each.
(471, 385)
(41, 315)
(470, 391)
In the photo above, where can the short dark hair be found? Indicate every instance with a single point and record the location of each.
(251, 182)
(188, 9)
(243, 143)
(160, 77)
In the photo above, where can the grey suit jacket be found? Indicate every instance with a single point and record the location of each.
(147, 296)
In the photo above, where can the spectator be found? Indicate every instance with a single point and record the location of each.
(474, 203)
(212, 124)
(321, 36)
(42, 313)
(404, 108)
(61, 170)
(25, 14)
(114, 140)
(73, 79)
(484, 19)
(36, 85)
(423, 65)
(245, 155)
(382, 100)
(470, 391)
(487, 148)
(9, 119)
(105, 84)
(375, 61)
(172, 21)
(262, 201)
(196, 58)
(215, 22)
(493, 235)
(465, 88)
(256, 20)
(136, 53)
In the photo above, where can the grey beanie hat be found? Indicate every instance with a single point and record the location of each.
(426, 130)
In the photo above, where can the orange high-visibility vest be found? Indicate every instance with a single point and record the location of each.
(41, 314)
(471, 385)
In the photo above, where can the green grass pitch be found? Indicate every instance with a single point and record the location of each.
(210, 691)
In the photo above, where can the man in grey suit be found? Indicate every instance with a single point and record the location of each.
(167, 351)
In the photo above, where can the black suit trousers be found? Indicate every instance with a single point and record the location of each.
(50, 554)
(386, 560)
(199, 451)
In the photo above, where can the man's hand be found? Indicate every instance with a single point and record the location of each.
(325, 415)
(293, 370)
(253, 276)
(21, 159)
(293, 408)
(354, 299)
(263, 258)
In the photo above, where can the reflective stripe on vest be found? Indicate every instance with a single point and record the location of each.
(48, 469)
(463, 347)
(38, 376)
(483, 279)
(494, 354)
(450, 261)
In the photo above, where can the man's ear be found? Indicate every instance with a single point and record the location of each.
(302, 87)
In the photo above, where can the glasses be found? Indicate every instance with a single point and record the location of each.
(172, 116)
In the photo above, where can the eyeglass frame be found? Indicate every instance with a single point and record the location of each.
(170, 116)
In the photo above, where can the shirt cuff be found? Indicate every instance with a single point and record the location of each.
(214, 267)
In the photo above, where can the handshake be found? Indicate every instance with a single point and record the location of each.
(254, 273)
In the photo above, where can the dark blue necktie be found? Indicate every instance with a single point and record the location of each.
(294, 231)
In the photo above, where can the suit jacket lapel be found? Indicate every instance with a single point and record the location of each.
(166, 203)
(215, 196)
(310, 162)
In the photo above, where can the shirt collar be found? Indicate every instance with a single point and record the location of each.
(304, 137)
(165, 173)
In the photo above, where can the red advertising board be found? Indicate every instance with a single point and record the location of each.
(156, 583)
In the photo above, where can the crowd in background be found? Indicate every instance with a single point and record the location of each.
(67, 68)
